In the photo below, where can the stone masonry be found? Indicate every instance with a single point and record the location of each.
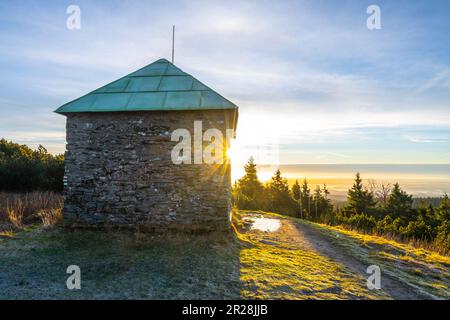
(119, 172)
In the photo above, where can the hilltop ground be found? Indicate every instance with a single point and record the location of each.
(299, 260)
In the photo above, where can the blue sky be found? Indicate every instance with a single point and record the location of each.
(312, 82)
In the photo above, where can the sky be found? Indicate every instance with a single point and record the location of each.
(313, 83)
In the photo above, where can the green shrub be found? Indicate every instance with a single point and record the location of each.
(23, 169)
(362, 222)
(416, 229)
(443, 236)
(388, 226)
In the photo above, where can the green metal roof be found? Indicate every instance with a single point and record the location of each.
(158, 86)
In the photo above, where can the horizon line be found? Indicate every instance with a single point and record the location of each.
(355, 163)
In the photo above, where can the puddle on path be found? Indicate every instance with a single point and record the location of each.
(264, 224)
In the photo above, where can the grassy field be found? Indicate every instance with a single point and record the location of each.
(117, 265)
(283, 265)
(301, 260)
(426, 271)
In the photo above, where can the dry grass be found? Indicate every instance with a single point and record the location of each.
(50, 217)
(279, 265)
(412, 242)
(117, 264)
(284, 265)
(426, 271)
(18, 209)
(15, 209)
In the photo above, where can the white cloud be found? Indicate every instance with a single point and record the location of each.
(440, 79)
(427, 140)
(299, 74)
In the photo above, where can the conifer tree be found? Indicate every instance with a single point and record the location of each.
(297, 196)
(443, 211)
(279, 195)
(306, 199)
(317, 202)
(249, 191)
(399, 203)
(359, 199)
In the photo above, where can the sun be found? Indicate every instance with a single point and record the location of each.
(231, 153)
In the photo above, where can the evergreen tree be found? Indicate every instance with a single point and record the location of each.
(443, 236)
(23, 169)
(443, 211)
(359, 199)
(279, 195)
(297, 196)
(327, 207)
(249, 191)
(317, 197)
(323, 209)
(431, 216)
(428, 215)
(399, 204)
(326, 193)
(296, 191)
(393, 216)
(306, 199)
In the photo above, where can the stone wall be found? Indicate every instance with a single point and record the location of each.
(119, 172)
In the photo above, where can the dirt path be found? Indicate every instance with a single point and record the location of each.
(301, 237)
(393, 287)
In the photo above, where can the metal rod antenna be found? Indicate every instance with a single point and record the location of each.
(173, 43)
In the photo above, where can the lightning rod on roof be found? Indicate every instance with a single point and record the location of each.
(173, 43)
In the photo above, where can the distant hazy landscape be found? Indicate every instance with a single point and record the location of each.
(420, 180)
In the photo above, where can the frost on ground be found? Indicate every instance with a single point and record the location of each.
(280, 258)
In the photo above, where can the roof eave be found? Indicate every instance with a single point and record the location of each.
(137, 110)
